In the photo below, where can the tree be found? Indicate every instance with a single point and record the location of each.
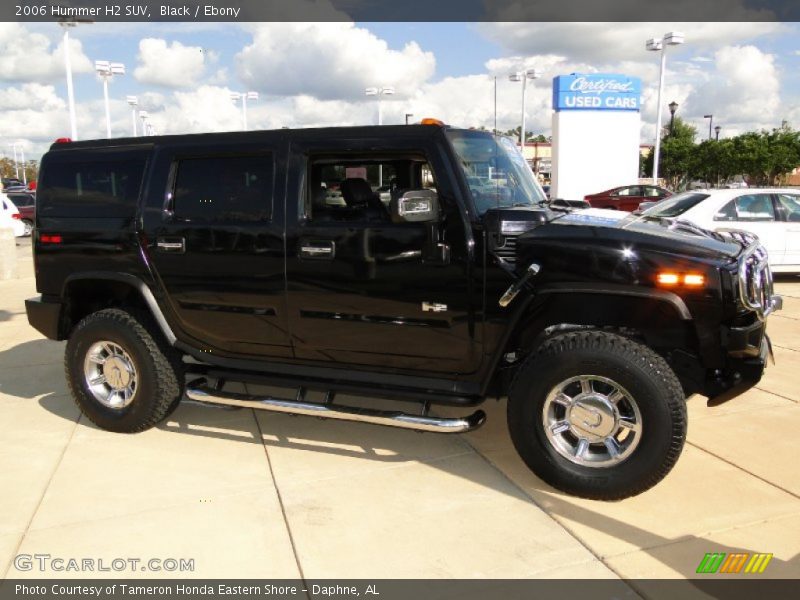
(514, 134)
(715, 161)
(677, 152)
(8, 169)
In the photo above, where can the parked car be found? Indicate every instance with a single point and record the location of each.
(10, 217)
(771, 214)
(595, 324)
(627, 197)
(26, 204)
(11, 182)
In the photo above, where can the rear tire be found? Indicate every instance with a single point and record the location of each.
(121, 373)
(28, 228)
(597, 415)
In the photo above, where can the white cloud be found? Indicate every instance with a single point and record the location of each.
(743, 91)
(29, 56)
(328, 61)
(171, 65)
(604, 42)
(30, 96)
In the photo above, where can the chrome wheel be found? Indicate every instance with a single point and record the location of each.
(28, 228)
(592, 421)
(110, 374)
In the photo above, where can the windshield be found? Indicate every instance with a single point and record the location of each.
(497, 174)
(675, 206)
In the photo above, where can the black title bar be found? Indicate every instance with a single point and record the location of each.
(398, 10)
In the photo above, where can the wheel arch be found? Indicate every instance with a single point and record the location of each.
(659, 319)
(87, 292)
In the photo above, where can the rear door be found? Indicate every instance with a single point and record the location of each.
(789, 209)
(756, 213)
(628, 198)
(215, 229)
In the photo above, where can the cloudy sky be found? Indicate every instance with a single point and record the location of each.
(746, 74)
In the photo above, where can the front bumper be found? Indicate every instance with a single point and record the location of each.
(44, 315)
(740, 375)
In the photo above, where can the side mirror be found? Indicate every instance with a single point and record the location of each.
(415, 206)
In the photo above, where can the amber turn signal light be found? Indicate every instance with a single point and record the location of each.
(668, 278)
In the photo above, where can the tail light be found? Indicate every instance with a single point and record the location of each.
(16, 216)
(49, 238)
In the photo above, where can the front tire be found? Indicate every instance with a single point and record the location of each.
(597, 415)
(121, 373)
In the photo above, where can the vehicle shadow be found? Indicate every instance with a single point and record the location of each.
(681, 554)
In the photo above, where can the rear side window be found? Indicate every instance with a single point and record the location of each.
(21, 199)
(90, 185)
(224, 189)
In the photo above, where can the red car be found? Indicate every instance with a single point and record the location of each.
(627, 197)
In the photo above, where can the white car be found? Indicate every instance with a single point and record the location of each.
(10, 217)
(772, 214)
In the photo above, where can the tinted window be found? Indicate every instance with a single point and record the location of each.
(360, 188)
(231, 189)
(90, 185)
(750, 207)
(629, 191)
(21, 199)
(653, 192)
(675, 206)
(791, 206)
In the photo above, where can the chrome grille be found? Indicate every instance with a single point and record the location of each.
(755, 277)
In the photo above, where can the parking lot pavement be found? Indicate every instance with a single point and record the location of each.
(331, 499)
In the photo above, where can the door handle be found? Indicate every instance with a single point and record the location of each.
(171, 245)
(320, 250)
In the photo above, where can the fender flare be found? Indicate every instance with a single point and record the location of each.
(140, 286)
(620, 290)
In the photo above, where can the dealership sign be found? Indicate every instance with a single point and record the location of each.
(596, 91)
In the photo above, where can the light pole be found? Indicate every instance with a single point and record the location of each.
(244, 97)
(523, 76)
(672, 38)
(716, 130)
(107, 70)
(133, 102)
(408, 116)
(144, 115)
(22, 160)
(16, 163)
(710, 122)
(66, 24)
(385, 90)
(673, 106)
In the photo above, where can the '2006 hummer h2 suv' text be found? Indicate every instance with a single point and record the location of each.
(417, 263)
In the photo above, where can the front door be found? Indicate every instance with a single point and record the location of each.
(364, 290)
(216, 242)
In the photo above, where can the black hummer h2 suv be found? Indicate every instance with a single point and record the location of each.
(418, 263)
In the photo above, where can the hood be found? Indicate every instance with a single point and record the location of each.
(674, 236)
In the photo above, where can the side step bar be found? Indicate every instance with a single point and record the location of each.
(200, 391)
